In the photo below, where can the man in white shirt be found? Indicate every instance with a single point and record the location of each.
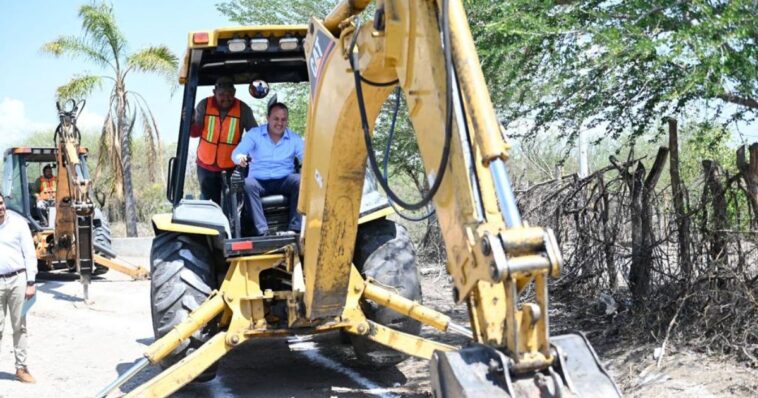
(18, 268)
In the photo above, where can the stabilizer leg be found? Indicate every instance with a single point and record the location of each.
(136, 272)
(406, 343)
(184, 371)
(176, 375)
(403, 342)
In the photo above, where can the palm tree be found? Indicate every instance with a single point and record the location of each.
(103, 44)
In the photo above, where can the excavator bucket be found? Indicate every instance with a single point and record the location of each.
(482, 371)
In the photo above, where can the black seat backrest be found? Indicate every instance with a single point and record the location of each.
(274, 201)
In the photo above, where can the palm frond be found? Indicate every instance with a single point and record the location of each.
(158, 59)
(100, 26)
(77, 48)
(152, 156)
(79, 86)
(152, 136)
(109, 156)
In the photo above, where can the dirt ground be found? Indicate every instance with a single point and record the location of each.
(75, 349)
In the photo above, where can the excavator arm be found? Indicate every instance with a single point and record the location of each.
(492, 256)
(74, 234)
(75, 211)
(426, 49)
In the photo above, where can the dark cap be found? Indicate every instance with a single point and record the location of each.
(225, 82)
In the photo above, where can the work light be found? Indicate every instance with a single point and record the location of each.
(288, 43)
(236, 45)
(259, 44)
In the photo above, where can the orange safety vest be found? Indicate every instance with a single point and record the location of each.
(220, 136)
(47, 187)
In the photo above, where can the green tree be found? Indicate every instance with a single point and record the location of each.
(277, 12)
(103, 44)
(622, 65)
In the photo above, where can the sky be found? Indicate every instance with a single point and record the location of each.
(29, 78)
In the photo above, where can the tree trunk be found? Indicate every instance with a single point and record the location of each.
(682, 220)
(749, 173)
(642, 189)
(609, 236)
(718, 205)
(130, 209)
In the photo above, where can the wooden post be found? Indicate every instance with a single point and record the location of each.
(609, 236)
(717, 223)
(642, 189)
(749, 173)
(680, 212)
(558, 209)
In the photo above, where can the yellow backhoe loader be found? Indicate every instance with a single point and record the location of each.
(70, 233)
(351, 269)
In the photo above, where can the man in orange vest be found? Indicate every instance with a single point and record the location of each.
(46, 184)
(219, 121)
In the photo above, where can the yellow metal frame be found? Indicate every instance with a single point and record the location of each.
(240, 304)
(382, 213)
(247, 31)
(237, 31)
(162, 222)
(489, 262)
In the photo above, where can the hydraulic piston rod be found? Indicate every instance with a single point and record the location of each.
(413, 309)
(166, 344)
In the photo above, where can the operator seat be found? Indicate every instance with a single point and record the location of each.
(275, 207)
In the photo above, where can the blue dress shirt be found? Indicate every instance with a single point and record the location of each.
(270, 160)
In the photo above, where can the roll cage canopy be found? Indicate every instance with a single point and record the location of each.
(38, 154)
(272, 53)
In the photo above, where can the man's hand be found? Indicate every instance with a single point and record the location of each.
(243, 160)
(30, 290)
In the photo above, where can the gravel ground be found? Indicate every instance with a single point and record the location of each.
(75, 349)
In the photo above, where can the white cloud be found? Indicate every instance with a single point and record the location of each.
(89, 121)
(15, 124)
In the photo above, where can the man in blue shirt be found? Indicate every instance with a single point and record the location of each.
(272, 149)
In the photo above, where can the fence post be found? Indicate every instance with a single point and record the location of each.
(680, 211)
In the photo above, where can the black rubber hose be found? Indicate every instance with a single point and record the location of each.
(448, 120)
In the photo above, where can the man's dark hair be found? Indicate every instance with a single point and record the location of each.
(277, 105)
(47, 166)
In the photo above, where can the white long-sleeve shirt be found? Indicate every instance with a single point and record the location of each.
(17, 247)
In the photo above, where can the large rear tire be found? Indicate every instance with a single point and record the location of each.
(102, 240)
(384, 252)
(182, 278)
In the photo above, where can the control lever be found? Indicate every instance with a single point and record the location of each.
(237, 185)
(237, 180)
